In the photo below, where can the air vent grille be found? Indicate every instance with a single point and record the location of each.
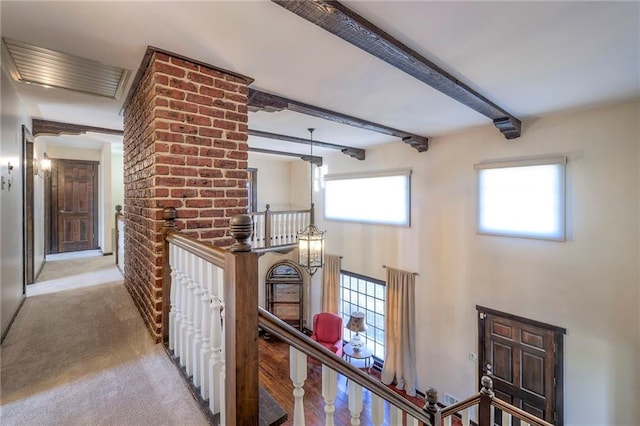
(45, 67)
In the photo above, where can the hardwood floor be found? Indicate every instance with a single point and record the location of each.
(274, 378)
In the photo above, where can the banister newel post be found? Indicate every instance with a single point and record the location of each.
(485, 410)
(169, 215)
(267, 226)
(241, 326)
(431, 406)
(117, 233)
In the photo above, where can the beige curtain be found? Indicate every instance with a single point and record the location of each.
(400, 346)
(331, 283)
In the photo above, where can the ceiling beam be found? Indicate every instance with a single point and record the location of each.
(263, 101)
(349, 26)
(55, 128)
(308, 158)
(356, 153)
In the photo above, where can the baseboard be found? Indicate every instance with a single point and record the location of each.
(40, 270)
(13, 318)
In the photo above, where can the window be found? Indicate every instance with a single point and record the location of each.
(382, 197)
(522, 198)
(363, 294)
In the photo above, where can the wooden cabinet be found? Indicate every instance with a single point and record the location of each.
(284, 293)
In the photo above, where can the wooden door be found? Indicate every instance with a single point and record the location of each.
(74, 205)
(524, 358)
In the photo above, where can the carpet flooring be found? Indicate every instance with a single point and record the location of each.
(78, 353)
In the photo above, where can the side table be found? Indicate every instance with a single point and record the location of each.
(364, 353)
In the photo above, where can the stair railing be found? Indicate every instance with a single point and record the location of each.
(302, 346)
(489, 407)
(119, 238)
(278, 228)
(210, 323)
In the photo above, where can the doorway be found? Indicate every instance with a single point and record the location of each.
(27, 211)
(71, 208)
(525, 360)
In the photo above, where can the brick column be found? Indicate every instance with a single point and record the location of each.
(185, 146)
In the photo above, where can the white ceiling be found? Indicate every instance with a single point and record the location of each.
(530, 58)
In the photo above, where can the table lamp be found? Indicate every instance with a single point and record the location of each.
(358, 325)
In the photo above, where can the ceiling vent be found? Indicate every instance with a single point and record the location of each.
(49, 68)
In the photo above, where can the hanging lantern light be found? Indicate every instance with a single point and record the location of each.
(311, 240)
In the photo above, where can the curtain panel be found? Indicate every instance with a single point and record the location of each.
(400, 345)
(331, 284)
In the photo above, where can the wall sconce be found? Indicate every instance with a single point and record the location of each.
(42, 167)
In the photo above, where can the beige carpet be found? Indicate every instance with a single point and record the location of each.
(78, 353)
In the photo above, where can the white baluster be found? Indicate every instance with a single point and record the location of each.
(191, 285)
(198, 290)
(465, 417)
(411, 421)
(298, 374)
(395, 415)
(216, 356)
(329, 391)
(290, 229)
(259, 231)
(447, 421)
(205, 349)
(355, 402)
(184, 255)
(172, 295)
(506, 419)
(181, 305)
(223, 359)
(377, 410)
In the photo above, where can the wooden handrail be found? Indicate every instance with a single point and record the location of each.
(520, 414)
(460, 405)
(201, 249)
(305, 344)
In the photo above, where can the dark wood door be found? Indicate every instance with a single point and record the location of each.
(75, 195)
(28, 203)
(524, 358)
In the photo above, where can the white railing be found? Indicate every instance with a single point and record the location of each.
(120, 242)
(382, 398)
(278, 228)
(196, 318)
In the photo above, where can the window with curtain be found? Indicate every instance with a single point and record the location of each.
(523, 198)
(364, 294)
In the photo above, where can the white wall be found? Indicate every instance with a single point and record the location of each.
(39, 149)
(12, 117)
(274, 185)
(588, 284)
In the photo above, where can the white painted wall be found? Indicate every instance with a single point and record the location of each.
(274, 181)
(12, 117)
(588, 284)
(39, 148)
(117, 187)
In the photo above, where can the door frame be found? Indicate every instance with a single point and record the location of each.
(558, 359)
(51, 204)
(28, 205)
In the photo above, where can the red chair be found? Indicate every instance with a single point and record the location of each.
(327, 330)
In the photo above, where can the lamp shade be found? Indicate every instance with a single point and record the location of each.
(357, 323)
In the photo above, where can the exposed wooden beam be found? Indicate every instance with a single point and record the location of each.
(55, 128)
(263, 101)
(348, 25)
(308, 158)
(356, 153)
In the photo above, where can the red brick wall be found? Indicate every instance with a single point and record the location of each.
(185, 146)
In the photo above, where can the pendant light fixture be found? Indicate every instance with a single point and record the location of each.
(311, 240)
